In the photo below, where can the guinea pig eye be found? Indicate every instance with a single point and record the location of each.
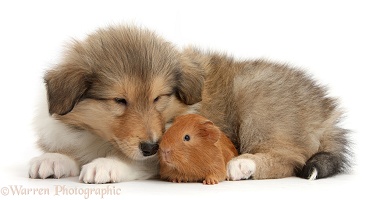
(187, 138)
(121, 101)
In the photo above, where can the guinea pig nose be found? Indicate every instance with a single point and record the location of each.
(165, 151)
(165, 155)
(149, 149)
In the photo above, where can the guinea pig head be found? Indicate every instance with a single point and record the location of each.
(188, 142)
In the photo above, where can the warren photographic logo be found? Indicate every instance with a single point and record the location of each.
(60, 190)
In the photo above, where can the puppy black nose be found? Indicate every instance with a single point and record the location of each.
(149, 149)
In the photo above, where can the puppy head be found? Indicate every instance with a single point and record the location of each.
(124, 84)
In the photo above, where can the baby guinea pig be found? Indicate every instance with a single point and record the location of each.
(193, 150)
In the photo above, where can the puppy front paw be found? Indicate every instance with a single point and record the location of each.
(238, 169)
(101, 170)
(53, 165)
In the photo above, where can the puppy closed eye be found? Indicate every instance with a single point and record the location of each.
(121, 101)
(162, 101)
(157, 99)
(163, 96)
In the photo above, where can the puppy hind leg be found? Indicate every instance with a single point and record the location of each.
(260, 166)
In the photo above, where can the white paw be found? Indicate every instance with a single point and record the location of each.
(103, 170)
(240, 169)
(53, 165)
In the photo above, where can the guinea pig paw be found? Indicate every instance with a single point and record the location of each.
(240, 169)
(53, 165)
(179, 180)
(210, 180)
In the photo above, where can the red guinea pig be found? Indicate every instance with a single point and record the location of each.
(195, 150)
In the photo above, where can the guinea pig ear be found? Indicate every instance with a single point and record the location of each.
(66, 84)
(209, 131)
(207, 123)
(191, 78)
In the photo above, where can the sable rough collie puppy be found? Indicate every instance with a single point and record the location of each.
(112, 95)
(282, 122)
(108, 103)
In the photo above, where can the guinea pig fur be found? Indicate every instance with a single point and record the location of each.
(193, 150)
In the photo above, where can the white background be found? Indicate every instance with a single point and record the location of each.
(325, 38)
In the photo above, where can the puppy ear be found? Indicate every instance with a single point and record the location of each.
(66, 85)
(191, 78)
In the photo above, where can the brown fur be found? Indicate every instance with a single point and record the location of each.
(202, 158)
(276, 115)
(126, 64)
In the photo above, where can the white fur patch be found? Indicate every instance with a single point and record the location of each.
(313, 175)
(238, 169)
(111, 170)
(54, 136)
(193, 109)
(53, 164)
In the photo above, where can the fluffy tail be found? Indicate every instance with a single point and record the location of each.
(322, 165)
(326, 164)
